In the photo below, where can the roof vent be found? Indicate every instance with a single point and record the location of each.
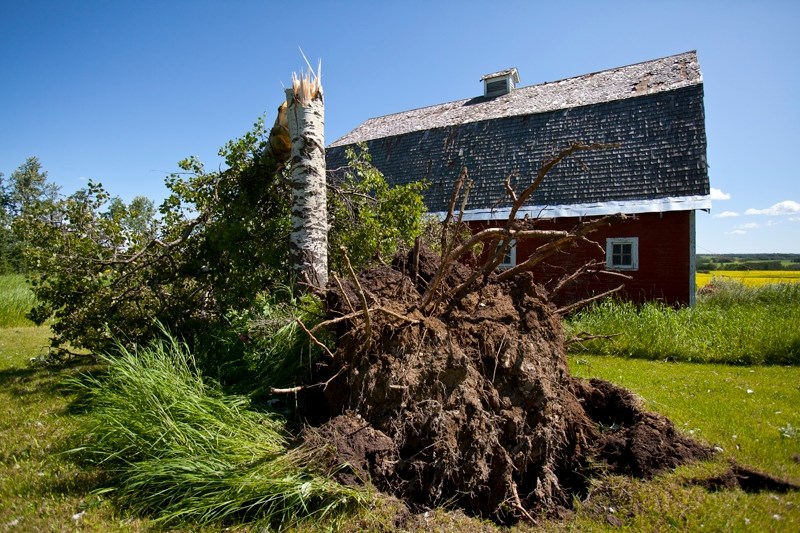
(499, 83)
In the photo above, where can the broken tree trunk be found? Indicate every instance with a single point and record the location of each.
(308, 242)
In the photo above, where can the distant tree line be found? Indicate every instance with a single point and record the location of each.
(773, 261)
(21, 195)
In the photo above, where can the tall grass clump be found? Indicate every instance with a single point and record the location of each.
(276, 350)
(264, 346)
(177, 448)
(16, 299)
(730, 324)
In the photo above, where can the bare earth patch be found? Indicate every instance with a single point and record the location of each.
(746, 479)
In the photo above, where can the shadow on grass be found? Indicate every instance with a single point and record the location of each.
(787, 356)
(34, 450)
(46, 379)
(747, 479)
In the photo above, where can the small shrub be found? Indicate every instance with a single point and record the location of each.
(274, 348)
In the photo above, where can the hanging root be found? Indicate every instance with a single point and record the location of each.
(516, 503)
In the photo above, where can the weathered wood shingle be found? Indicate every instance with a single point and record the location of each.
(653, 110)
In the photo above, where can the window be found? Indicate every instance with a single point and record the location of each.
(510, 259)
(622, 253)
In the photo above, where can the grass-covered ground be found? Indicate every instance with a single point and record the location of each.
(16, 299)
(730, 324)
(39, 489)
(750, 412)
(753, 413)
(42, 490)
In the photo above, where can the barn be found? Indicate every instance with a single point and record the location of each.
(656, 174)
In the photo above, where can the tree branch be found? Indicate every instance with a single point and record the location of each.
(447, 241)
(324, 384)
(362, 297)
(548, 249)
(566, 280)
(507, 234)
(356, 314)
(314, 339)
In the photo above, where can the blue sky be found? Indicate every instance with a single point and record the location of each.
(119, 91)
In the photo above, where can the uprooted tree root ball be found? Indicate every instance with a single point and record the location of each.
(472, 403)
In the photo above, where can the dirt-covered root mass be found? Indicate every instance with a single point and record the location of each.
(473, 404)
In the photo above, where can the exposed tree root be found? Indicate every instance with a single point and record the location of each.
(476, 401)
(450, 385)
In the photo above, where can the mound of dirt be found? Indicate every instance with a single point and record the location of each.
(472, 403)
(363, 451)
(630, 440)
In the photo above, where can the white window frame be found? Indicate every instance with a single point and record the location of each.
(633, 242)
(512, 255)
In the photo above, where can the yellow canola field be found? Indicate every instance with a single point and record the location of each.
(751, 278)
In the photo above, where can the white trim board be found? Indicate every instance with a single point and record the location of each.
(630, 207)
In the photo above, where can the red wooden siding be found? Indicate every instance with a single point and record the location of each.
(664, 258)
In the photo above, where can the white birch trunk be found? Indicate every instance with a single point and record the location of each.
(308, 243)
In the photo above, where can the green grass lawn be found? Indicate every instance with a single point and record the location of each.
(753, 413)
(41, 490)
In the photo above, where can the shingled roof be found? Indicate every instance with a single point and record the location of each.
(653, 110)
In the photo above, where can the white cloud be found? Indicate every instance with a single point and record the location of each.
(737, 232)
(726, 214)
(787, 207)
(749, 225)
(717, 194)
